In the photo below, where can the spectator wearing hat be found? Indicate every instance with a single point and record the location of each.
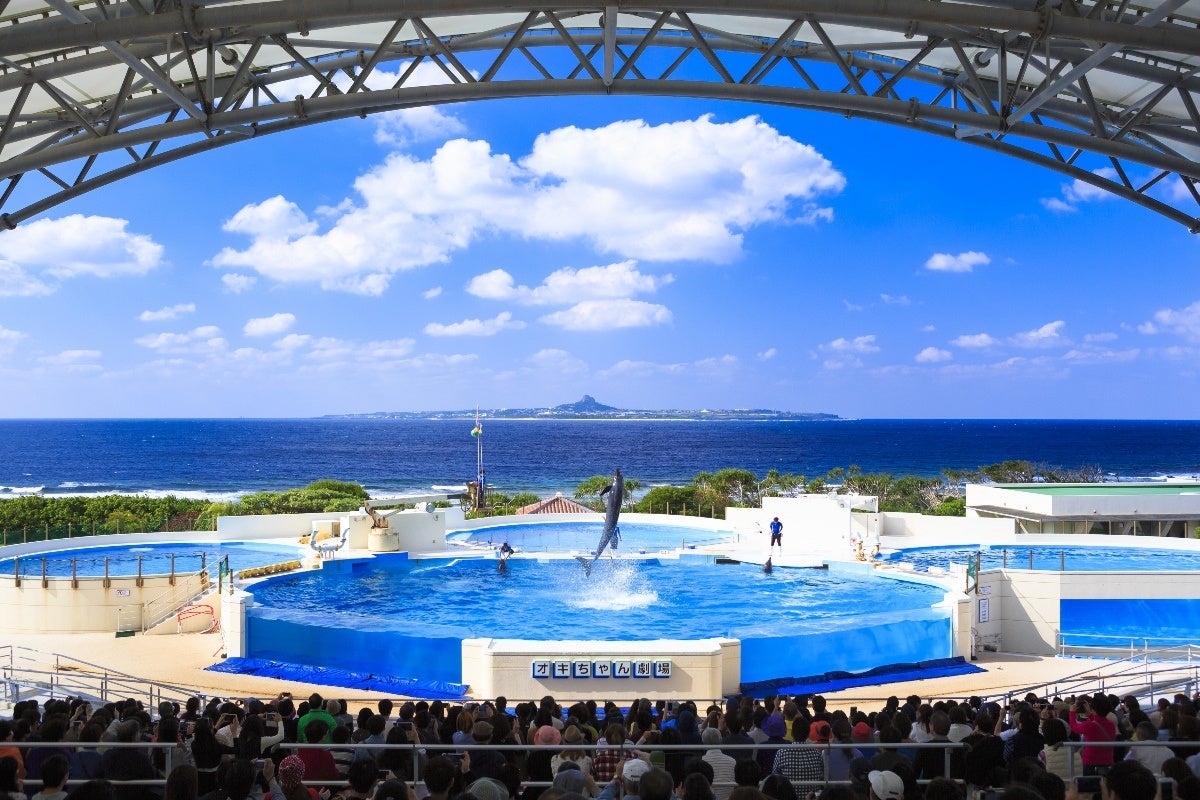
(774, 727)
(722, 765)
(488, 789)
(571, 779)
(628, 780)
(538, 764)
(885, 785)
(291, 779)
(862, 734)
(485, 763)
(572, 739)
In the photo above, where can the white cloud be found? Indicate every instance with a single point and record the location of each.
(895, 300)
(9, 340)
(607, 315)
(556, 362)
(679, 191)
(717, 363)
(269, 326)
(236, 283)
(567, 285)
(928, 328)
(1058, 205)
(766, 355)
(406, 126)
(632, 368)
(859, 344)
(18, 282)
(293, 341)
(1176, 190)
(845, 352)
(1048, 335)
(400, 127)
(1100, 355)
(851, 306)
(35, 257)
(1100, 337)
(1080, 191)
(168, 313)
(932, 355)
(475, 327)
(963, 262)
(205, 340)
(429, 294)
(973, 340)
(1183, 322)
(72, 358)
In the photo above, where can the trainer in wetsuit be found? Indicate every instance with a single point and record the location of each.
(777, 534)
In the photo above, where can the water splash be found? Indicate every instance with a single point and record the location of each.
(615, 585)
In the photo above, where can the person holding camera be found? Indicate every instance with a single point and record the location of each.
(1089, 719)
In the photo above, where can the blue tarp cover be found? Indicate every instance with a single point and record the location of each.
(410, 687)
(834, 681)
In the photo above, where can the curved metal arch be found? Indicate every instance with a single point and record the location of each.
(1027, 86)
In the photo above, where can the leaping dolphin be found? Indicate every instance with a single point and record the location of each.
(612, 510)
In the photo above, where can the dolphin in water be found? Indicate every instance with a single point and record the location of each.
(612, 510)
(767, 566)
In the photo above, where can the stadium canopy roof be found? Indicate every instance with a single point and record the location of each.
(97, 90)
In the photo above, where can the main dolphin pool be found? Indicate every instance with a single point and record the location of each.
(393, 615)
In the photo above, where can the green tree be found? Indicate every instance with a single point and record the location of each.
(661, 498)
(951, 507)
(522, 499)
(589, 490)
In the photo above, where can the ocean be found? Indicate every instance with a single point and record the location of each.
(224, 458)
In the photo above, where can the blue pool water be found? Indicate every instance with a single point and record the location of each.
(156, 558)
(394, 616)
(559, 537)
(1050, 557)
(623, 599)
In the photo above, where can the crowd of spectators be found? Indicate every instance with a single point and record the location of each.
(777, 748)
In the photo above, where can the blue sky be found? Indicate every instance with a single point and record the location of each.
(655, 253)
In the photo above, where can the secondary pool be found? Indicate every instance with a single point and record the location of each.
(560, 537)
(1052, 557)
(155, 558)
(395, 616)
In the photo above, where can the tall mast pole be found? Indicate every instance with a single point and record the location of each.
(477, 432)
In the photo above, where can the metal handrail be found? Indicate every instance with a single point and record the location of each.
(170, 600)
(418, 749)
(25, 666)
(1093, 675)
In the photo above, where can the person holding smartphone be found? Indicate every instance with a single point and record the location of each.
(1089, 719)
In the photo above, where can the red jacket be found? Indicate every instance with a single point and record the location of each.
(1095, 729)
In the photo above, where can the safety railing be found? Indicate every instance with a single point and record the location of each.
(418, 750)
(185, 589)
(25, 671)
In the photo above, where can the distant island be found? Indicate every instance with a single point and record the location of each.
(589, 408)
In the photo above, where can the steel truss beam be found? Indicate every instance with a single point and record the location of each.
(942, 68)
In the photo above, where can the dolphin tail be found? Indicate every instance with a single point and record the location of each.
(586, 564)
